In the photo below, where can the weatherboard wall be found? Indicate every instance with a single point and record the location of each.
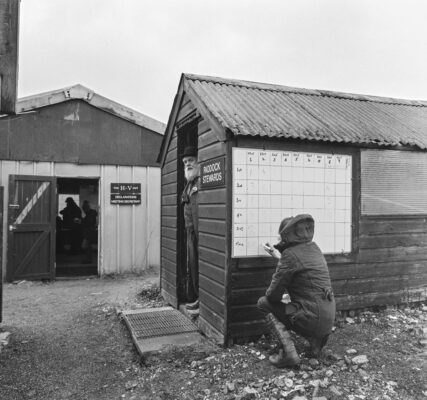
(212, 229)
(388, 264)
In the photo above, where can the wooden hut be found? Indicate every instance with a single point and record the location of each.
(357, 163)
(75, 143)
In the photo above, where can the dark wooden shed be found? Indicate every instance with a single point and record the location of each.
(357, 163)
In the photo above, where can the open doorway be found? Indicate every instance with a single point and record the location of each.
(77, 227)
(188, 268)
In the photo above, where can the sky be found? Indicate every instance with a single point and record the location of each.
(134, 51)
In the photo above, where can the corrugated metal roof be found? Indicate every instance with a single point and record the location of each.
(257, 109)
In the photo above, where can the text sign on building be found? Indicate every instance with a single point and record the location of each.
(125, 193)
(212, 173)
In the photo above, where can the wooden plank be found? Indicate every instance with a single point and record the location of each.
(249, 279)
(211, 332)
(9, 28)
(169, 232)
(212, 272)
(375, 270)
(381, 299)
(168, 254)
(169, 222)
(171, 177)
(186, 108)
(211, 317)
(247, 329)
(393, 240)
(253, 262)
(212, 211)
(385, 284)
(212, 287)
(169, 211)
(244, 313)
(203, 127)
(168, 200)
(212, 196)
(169, 299)
(169, 243)
(212, 151)
(169, 167)
(168, 287)
(214, 257)
(212, 241)
(214, 304)
(399, 253)
(246, 296)
(169, 277)
(169, 265)
(207, 139)
(170, 188)
(212, 226)
(383, 225)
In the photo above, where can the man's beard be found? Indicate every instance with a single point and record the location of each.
(191, 174)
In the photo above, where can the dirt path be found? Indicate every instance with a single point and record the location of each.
(66, 340)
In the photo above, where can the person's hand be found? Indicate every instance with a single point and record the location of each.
(271, 250)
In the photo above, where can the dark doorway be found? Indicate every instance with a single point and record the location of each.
(77, 227)
(187, 136)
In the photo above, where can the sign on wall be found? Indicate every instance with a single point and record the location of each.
(212, 173)
(125, 193)
(271, 185)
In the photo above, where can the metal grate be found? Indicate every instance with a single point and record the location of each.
(158, 323)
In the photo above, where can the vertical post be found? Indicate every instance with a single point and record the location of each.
(9, 28)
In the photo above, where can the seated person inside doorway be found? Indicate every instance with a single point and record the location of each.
(89, 231)
(303, 275)
(71, 221)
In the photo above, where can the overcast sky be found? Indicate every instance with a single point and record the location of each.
(134, 51)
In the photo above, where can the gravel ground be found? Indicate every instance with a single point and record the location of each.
(69, 343)
(66, 339)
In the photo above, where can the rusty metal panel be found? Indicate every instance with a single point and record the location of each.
(256, 109)
(393, 182)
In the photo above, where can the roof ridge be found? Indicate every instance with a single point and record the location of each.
(304, 91)
(80, 92)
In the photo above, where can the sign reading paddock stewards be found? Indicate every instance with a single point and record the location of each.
(125, 193)
(212, 173)
(271, 185)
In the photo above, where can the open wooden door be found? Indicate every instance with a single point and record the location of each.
(32, 224)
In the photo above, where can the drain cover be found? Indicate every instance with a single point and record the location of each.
(150, 323)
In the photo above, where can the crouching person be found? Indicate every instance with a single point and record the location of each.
(303, 274)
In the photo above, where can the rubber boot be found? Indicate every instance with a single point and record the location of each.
(316, 346)
(288, 356)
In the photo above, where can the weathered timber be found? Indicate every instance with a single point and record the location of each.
(212, 241)
(212, 287)
(212, 211)
(214, 257)
(212, 271)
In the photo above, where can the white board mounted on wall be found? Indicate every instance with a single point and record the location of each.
(271, 185)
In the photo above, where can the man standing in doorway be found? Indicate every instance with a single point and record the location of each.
(189, 199)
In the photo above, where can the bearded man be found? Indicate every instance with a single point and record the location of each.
(189, 199)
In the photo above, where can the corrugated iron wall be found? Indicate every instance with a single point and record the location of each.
(129, 235)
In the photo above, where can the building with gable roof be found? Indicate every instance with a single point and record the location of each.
(75, 143)
(357, 163)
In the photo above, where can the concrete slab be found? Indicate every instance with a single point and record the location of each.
(157, 330)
